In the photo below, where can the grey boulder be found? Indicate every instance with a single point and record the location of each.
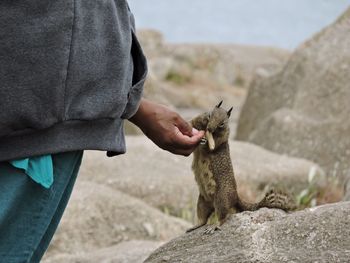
(320, 234)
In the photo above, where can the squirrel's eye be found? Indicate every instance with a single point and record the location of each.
(222, 125)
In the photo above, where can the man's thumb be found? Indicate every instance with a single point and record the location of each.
(184, 126)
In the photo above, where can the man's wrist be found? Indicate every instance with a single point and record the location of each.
(135, 119)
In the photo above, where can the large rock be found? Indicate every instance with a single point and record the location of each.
(303, 110)
(257, 168)
(320, 234)
(166, 181)
(159, 178)
(135, 251)
(99, 217)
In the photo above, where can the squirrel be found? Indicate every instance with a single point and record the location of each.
(215, 177)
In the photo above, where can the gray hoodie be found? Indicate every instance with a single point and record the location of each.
(70, 72)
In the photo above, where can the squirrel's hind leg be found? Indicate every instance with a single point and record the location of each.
(222, 210)
(217, 226)
(204, 211)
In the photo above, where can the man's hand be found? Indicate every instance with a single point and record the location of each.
(166, 128)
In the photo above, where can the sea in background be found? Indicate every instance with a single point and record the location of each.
(278, 23)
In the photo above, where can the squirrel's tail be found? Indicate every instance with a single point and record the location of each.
(272, 199)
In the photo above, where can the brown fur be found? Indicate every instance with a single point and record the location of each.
(215, 176)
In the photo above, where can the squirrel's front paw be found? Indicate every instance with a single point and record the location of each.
(203, 141)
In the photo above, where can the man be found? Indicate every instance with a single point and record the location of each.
(71, 71)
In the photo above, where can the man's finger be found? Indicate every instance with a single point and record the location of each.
(186, 142)
(183, 126)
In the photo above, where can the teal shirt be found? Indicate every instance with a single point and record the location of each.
(39, 168)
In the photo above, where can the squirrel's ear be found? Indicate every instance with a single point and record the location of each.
(229, 112)
(218, 106)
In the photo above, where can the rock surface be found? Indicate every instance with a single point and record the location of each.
(166, 181)
(99, 217)
(135, 251)
(320, 234)
(303, 110)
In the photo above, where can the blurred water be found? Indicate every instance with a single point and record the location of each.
(281, 23)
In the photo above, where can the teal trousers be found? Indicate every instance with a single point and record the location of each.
(29, 213)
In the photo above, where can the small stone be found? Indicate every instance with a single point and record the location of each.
(166, 258)
(149, 228)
